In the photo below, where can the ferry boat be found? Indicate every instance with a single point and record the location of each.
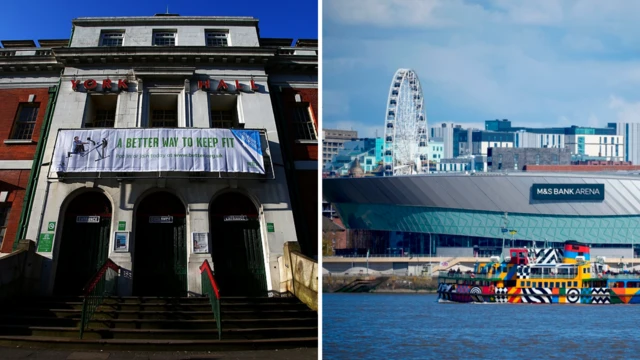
(541, 276)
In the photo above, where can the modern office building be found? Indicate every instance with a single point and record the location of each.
(464, 215)
(166, 148)
(333, 141)
(516, 159)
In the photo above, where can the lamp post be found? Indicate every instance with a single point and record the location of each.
(505, 218)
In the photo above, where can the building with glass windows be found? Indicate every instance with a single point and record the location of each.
(166, 147)
(467, 215)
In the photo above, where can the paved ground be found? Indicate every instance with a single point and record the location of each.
(44, 354)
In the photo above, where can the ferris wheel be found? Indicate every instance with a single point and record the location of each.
(405, 126)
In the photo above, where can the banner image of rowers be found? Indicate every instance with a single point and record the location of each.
(130, 150)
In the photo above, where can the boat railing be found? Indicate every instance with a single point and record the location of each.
(471, 276)
(550, 276)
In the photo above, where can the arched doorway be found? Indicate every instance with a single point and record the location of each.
(84, 245)
(237, 246)
(160, 254)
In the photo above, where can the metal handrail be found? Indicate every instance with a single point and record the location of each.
(100, 285)
(210, 288)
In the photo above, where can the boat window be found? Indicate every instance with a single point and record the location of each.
(575, 284)
(550, 285)
(546, 284)
(514, 254)
(563, 284)
(528, 283)
(521, 283)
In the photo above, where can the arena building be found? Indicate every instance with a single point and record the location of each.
(480, 214)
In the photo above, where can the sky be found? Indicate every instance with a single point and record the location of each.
(46, 19)
(536, 63)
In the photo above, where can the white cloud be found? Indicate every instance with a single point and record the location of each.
(334, 102)
(387, 13)
(625, 111)
(364, 129)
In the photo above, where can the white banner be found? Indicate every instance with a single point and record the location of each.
(131, 150)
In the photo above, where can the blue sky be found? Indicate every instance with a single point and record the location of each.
(46, 19)
(537, 63)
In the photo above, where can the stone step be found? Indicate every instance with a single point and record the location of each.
(157, 323)
(157, 334)
(159, 345)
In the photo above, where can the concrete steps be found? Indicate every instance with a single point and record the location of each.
(140, 323)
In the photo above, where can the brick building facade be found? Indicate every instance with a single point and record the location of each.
(28, 79)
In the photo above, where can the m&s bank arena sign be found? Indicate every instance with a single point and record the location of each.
(588, 192)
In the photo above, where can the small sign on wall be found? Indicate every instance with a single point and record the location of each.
(161, 219)
(46, 242)
(271, 227)
(121, 241)
(200, 242)
(88, 219)
(122, 225)
(236, 218)
(51, 226)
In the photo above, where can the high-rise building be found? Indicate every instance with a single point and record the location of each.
(332, 142)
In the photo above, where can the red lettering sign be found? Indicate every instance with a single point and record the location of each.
(106, 84)
(122, 84)
(204, 85)
(90, 84)
(222, 86)
(254, 87)
(74, 84)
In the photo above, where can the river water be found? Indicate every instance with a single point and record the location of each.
(415, 326)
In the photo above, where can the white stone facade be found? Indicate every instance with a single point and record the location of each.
(254, 111)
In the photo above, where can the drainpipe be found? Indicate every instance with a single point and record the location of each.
(35, 168)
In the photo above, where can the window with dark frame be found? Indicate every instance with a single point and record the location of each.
(5, 209)
(25, 121)
(111, 38)
(303, 123)
(164, 38)
(164, 118)
(222, 119)
(104, 119)
(216, 38)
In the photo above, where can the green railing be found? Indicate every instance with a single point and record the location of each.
(102, 284)
(210, 288)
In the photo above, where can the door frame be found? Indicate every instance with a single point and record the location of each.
(261, 220)
(134, 228)
(59, 231)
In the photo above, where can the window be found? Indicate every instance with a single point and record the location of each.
(164, 118)
(304, 128)
(5, 209)
(25, 121)
(216, 38)
(222, 119)
(224, 111)
(111, 38)
(101, 112)
(163, 110)
(164, 38)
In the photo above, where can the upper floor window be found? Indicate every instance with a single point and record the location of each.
(216, 38)
(304, 126)
(111, 38)
(25, 121)
(224, 112)
(163, 110)
(164, 38)
(101, 112)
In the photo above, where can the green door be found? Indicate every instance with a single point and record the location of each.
(84, 248)
(160, 264)
(238, 258)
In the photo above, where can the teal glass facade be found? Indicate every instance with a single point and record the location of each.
(485, 224)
